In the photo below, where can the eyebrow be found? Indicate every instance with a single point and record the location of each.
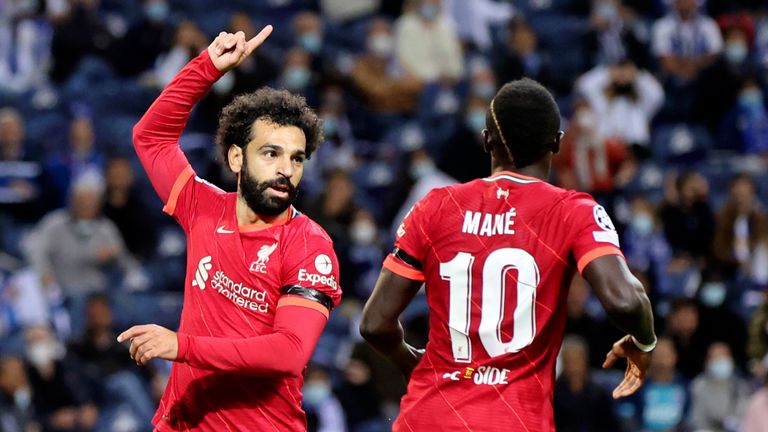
(280, 148)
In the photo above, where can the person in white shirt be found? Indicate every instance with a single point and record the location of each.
(685, 41)
(624, 98)
(427, 45)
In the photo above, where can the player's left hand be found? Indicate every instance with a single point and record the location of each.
(150, 341)
(637, 366)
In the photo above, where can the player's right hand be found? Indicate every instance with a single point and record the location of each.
(637, 366)
(228, 50)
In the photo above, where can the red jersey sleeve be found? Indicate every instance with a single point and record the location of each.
(593, 232)
(310, 262)
(412, 240)
(156, 135)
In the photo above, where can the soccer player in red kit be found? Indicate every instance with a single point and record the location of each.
(261, 277)
(497, 255)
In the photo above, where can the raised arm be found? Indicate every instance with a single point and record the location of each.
(156, 135)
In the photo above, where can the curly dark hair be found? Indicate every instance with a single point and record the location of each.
(276, 106)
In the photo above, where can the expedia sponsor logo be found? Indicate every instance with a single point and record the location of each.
(316, 279)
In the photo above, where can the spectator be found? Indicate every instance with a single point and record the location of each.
(125, 207)
(583, 321)
(580, 404)
(107, 366)
(188, 42)
(80, 32)
(81, 155)
(427, 45)
(520, 56)
(335, 207)
(60, 401)
(757, 345)
(324, 411)
(756, 416)
(16, 409)
(384, 86)
(344, 11)
(664, 398)
(463, 157)
(618, 33)
(646, 248)
(474, 21)
(747, 123)
(365, 254)
(719, 395)
(25, 48)
(688, 221)
(686, 41)
(75, 247)
(588, 161)
(625, 100)
(297, 75)
(152, 35)
(690, 342)
(19, 170)
(358, 397)
(718, 88)
(741, 239)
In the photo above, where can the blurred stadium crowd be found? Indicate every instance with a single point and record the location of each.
(662, 100)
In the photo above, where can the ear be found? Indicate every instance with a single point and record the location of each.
(556, 144)
(487, 146)
(235, 158)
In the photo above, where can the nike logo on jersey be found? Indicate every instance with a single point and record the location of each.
(221, 230)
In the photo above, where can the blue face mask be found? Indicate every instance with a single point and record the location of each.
(751, 98)
(296, 77)
(157, 11)
(721, 368)
(428, 11)
(713, 294)
(312, 42)
(316, 393)
(475, 120)
(484, 90)
(330, 125)
(735, 52)
(642, 224)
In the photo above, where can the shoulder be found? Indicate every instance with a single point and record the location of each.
(303, 225)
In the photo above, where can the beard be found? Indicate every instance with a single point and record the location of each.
(258, 198)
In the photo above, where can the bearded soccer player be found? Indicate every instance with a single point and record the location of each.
(261, 277)
(497, 255)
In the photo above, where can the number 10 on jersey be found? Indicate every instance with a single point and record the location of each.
(458, 272)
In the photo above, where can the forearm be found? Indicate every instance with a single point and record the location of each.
(634, 316)
(285, 351)
(156, 135)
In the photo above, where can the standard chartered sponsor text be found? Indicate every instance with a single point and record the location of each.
(241, 295)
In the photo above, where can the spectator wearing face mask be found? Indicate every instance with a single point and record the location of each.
(687, 217)
(150, 36)
(718, 395)
(365, 253)
(617, 32)
(741, 239)
(309, 35)
(463, 157)
(427, 46)
(61, 403)
(384, 86)
(16, 410)
(297, 75)
(519, 56)
(645, 247)
(324, 412)
(751, 120)
(188, 41)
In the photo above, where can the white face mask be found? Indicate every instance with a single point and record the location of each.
(363, 233)
(42, 353)
(22, 398)
(382, 45)
(721, 368)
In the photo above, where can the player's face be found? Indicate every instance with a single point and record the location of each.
(272, 167)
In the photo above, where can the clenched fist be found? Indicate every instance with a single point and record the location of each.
(228, 50)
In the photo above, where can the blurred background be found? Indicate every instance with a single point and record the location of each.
(663, 102)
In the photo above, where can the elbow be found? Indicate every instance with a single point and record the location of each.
(633, 301)
(374, 328)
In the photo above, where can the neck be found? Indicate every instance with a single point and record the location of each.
(246, 216)
(539, 171)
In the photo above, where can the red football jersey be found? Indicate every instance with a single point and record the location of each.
(235, 282)
(497, 256)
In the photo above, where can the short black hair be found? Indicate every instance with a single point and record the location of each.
(526, 119)
(280, 107)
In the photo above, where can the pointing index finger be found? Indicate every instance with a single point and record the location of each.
(258, 39)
